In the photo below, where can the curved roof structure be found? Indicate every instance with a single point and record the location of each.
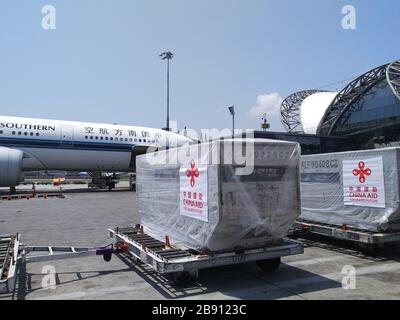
(353, 91)
(393, 77)
(291, 111)
(313, 109)
(371, 102)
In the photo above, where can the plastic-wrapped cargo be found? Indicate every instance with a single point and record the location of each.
(220, 195)
(358, 189)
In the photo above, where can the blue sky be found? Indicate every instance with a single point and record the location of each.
(101, 63)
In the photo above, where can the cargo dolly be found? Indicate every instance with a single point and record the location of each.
(181, 264)
(371, 242)
(176, 263)
(9, 248)
(13, 252)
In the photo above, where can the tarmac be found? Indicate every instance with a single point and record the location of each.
(82, 219)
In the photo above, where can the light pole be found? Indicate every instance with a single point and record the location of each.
(265, 125)
(167, 56)
(232, 111)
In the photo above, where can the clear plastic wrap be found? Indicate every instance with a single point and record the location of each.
(243, 202)
(325, 190)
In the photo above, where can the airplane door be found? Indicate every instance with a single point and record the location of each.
(67, 135)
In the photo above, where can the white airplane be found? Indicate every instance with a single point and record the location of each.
(38, 144)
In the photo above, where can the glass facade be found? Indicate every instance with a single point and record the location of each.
(373, 121)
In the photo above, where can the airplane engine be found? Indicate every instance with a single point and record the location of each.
(10, 167)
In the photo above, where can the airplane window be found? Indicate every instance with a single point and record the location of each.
(106, 138)
(144, 140)
(86, 137)
(111, 138)
(13, 132)
(1, 131)
(140, 140)
(126, 139)
(101, 138)
(19, 133)
(130, 140)
(25, 133)
(37, 134)
(135, 140)
(121, 139)
(31, 133)
(97, 138)
(91, 137)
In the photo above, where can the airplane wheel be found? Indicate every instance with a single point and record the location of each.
(111, 186)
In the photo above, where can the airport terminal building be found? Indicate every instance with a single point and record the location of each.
(363, 115)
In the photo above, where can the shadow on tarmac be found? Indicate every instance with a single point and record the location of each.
(390, 252)
(231, 281)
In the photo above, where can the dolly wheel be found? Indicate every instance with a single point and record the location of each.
(107, 257)
(269, 265)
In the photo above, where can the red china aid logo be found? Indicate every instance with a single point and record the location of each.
(192, 173)
(362, 172)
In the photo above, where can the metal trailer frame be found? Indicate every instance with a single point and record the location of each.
(18, 253)
(42, 253)
(177, 262)
(9, 249)
(366, 239)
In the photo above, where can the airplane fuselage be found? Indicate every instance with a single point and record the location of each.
(80, 146)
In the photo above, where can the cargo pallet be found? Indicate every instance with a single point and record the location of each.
(9, 249)
(181, 264)
(367, 240)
